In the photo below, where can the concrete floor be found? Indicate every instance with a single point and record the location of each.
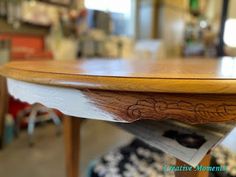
(46, 158)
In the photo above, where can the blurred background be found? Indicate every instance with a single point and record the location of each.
(101, 28)
(75, 29)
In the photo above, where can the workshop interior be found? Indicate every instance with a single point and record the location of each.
(85, 60)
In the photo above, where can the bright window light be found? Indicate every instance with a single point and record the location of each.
(230, 33)
(228, 65)
(121, 6)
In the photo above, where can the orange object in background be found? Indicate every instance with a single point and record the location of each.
(27, 46)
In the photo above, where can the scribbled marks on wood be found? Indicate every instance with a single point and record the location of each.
(181, 110)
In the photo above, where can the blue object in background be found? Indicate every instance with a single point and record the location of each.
(9, 129)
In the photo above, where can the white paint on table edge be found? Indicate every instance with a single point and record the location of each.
(68, 100)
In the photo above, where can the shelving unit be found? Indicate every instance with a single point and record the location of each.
(24, 28)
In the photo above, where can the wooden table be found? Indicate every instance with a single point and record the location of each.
(194, 91)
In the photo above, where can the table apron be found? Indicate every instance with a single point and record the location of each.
(123, 106)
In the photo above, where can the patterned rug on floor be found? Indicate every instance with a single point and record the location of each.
(141, 160)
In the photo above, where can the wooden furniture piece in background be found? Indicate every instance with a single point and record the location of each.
(23, 29)
(193, 91)
(4, 58)
(3, 108)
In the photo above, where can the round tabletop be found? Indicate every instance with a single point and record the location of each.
(164, 75)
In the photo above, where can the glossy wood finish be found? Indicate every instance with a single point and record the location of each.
(72, 145)
(188, 108)
(194, 173)
(169, 75)
(193, 91)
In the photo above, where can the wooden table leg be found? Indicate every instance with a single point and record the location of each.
(204, 162)
(72, 143)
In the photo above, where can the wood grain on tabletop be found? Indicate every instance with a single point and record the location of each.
(169, 75)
